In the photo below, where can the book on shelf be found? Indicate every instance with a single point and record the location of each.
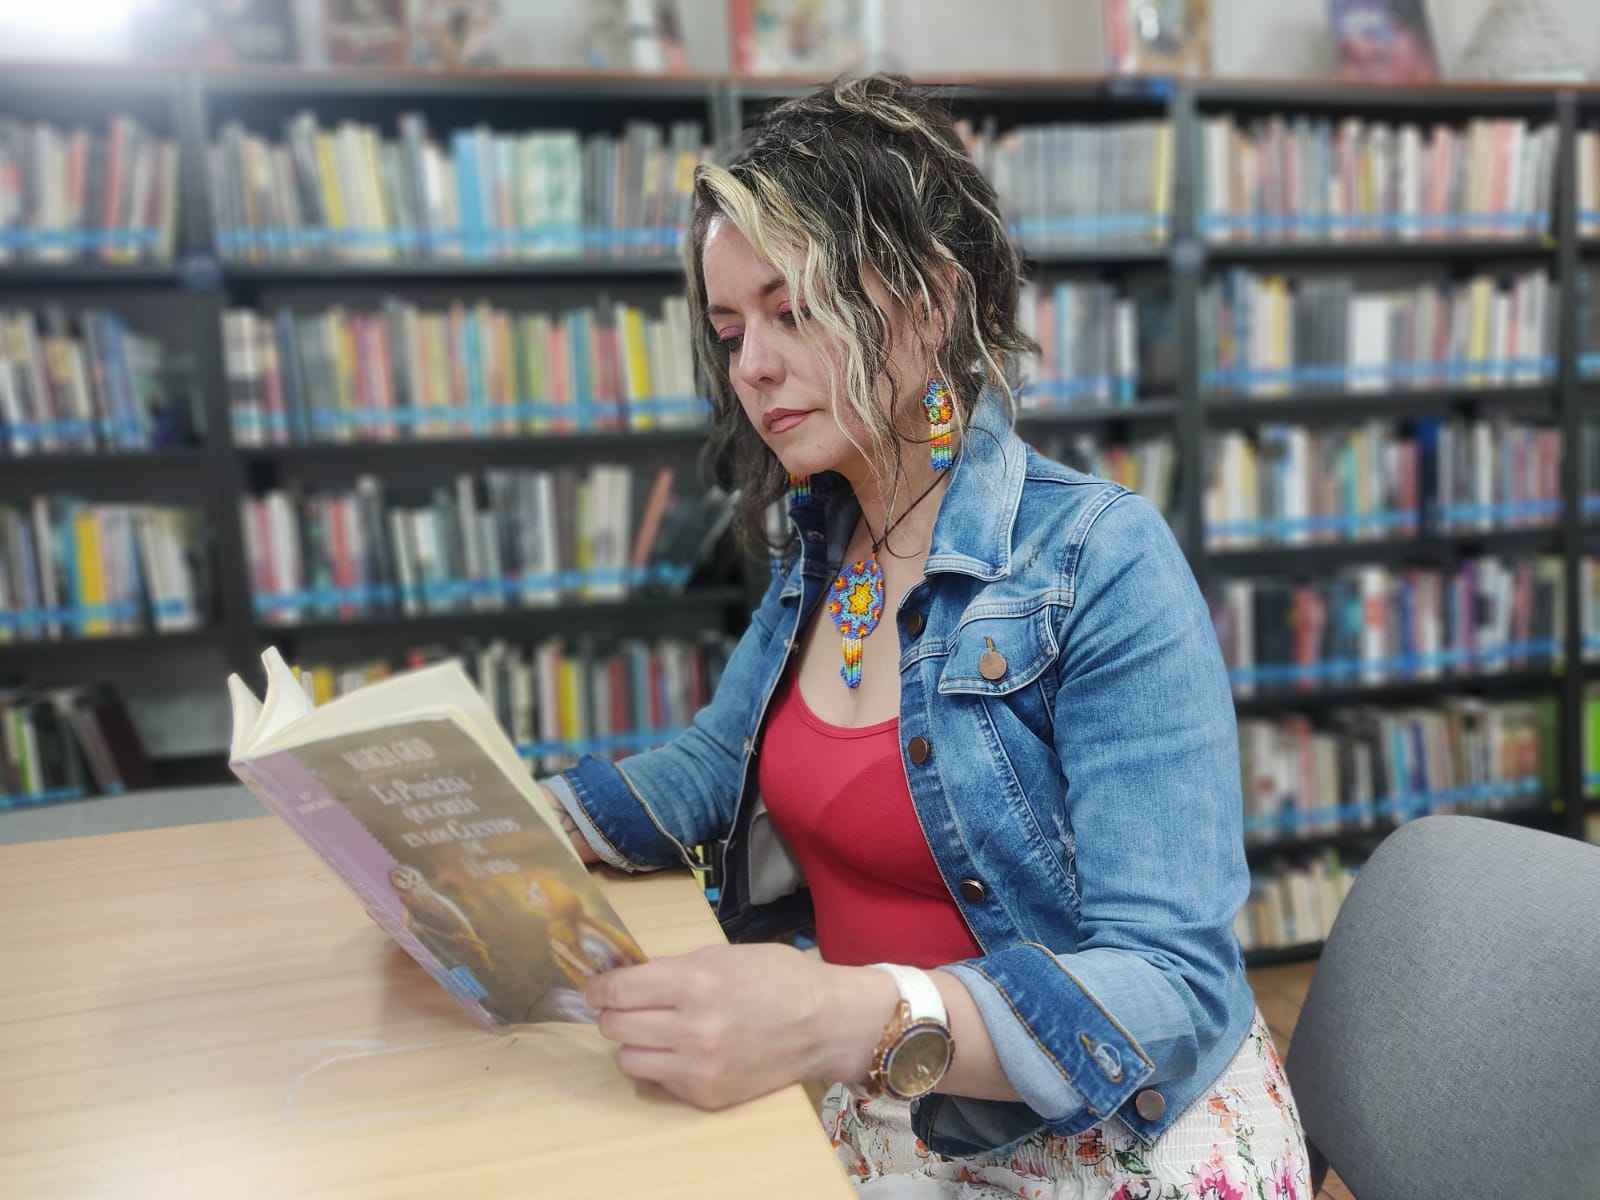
(73, 195)
(403, 373)
(1317, 179)
(1293, 904)
(820, 38)
(458, 35)
(61, 743)
(1088, 346)
(1589, 605)
(1272, 335)
(1366, 767)
(1370, 625)
(1289, 485)
(1146, 465)
(559, 699)
(505, 539)
(1077, 185)
(1157, 39)
(1587, 169)
(69, 569)
(86, 384)
(348, 194)
(413, 795)
(1383, 41)
(365, 33)
(1588, 282)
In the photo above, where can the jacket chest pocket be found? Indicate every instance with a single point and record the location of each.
(999, 654)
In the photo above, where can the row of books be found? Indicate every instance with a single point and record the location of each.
(1272, 335)
(348, 193)
(75, 570)
(1088, 346)
(1369, 768)
(84, 385)
(559, 700)
(500, 540)
(1293, 904)
(1288, 485)
(75, 194)
(1145, 465)
(1072, 184)
(1305, 179)
(1371, 625)
(59, 743)
(403, 373)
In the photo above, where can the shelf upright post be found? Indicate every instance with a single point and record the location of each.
(200, 275)
(1568, 408)
(1187, 264)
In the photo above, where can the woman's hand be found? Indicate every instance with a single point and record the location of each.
(724, 1024)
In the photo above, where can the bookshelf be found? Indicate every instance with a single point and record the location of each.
(1161, 256)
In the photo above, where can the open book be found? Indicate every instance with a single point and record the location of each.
(416, 798)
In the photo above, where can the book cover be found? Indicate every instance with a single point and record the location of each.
(412, 793)
(817, 38)
(458, 34)
(1383, 41)
(364, 33)
(1158, 37)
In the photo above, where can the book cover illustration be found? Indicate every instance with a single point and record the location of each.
(800, 37)
(416, 808)
(1158, 37)
(457, 34)
(1383, 41)
(365, 33)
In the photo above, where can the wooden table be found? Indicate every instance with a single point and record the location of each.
(205, 1011)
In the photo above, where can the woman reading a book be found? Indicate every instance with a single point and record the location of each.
(978, 735)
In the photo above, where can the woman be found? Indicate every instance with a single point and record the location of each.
(979, 728)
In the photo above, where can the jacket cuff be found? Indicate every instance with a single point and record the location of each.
(1053, 1097)
(1072, 1035)
(613, 817)
(562, 792)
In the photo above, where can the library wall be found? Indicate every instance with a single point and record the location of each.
(1282, 39)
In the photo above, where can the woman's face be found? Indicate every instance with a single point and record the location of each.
(780, 376)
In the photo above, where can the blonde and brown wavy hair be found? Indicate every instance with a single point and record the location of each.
(863, 175)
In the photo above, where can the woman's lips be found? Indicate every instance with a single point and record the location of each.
(780, 420)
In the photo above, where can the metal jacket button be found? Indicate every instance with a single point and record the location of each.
(919, 749)
(992, 665)
(915, 623)
(973, 891)
(1150, 1104)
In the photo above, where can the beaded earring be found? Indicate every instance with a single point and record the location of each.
(940, 414)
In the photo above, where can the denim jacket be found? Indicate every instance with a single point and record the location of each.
(1083, 808)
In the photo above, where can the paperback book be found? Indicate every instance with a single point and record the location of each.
(411, 792)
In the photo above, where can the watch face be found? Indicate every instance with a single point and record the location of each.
(919, 1061)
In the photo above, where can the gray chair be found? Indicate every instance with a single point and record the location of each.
(1449, 1045)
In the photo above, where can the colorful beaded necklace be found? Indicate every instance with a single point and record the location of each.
(855, 602)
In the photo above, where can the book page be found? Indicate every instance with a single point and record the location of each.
(461, 865)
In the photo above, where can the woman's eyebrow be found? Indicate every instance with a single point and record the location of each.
(766, 289)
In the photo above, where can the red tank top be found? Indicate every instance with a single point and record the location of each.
(839, 796)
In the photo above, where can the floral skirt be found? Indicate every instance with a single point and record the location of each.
(1240, 1140)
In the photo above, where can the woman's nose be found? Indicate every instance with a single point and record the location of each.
(760, 359)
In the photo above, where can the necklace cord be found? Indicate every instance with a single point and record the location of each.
(892, 525)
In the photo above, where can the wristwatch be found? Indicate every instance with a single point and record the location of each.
(916, 1048)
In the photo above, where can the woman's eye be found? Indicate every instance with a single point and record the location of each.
(788, 316)
(729, 343)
